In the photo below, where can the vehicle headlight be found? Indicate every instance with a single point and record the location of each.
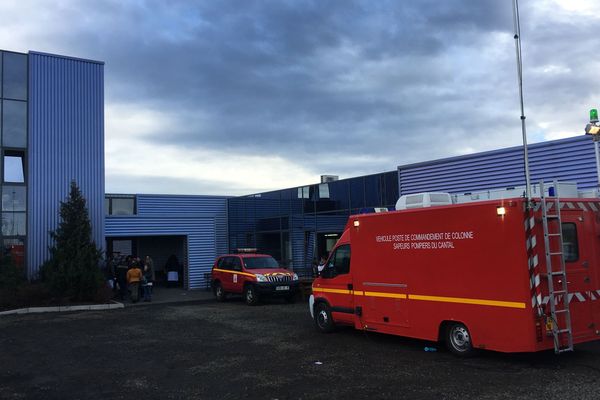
(260, 278)
(295, 277)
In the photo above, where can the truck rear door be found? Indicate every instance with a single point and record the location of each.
(578, 239)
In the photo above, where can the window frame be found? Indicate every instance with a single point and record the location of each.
(12, 152)
(331, 270)
(576, 242)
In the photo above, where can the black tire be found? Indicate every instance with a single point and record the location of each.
(458, 340)
(323, 319)
(218, 291)
(251, 295)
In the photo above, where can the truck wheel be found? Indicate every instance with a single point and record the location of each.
(220, 294)
(323, 320)
(250, 295)
(458, 340)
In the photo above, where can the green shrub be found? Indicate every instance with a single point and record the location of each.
(11, 276)
(73, 270)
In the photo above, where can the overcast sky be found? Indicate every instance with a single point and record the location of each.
(238, 97)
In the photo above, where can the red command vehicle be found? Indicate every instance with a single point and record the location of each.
(253, 276)
(491, 275)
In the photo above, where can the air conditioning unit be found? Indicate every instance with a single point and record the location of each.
(419, 200)
(329, 178)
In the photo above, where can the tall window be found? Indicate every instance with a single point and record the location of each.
(13, 149)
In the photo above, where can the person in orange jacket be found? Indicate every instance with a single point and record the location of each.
(134, 276)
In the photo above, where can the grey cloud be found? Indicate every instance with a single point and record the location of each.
(324, 83)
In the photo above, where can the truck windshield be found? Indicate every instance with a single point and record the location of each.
(260, 262)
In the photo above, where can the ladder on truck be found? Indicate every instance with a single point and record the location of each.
(560, 315)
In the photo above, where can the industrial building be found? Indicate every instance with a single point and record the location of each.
(300, 224)
(186, 233)
(52, 113)
(52, 132)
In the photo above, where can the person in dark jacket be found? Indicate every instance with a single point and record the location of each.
(121, 273)
(148, 280)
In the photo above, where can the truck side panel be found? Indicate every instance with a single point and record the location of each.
(414, 270)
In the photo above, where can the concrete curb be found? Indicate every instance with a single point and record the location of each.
(90, 307)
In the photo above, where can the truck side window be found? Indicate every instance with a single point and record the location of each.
(226, 263)
(570, 244)
(236, 264)
(339, 263)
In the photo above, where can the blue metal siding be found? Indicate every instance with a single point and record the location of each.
(569, 159)
(66, 142)
(202, 219)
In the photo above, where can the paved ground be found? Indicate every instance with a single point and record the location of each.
(208, 350)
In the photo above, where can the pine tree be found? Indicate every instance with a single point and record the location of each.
(73, 269)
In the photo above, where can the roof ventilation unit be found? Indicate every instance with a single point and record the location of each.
(329, 178)
(420, 200)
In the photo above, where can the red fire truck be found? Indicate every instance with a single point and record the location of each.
(508, 275)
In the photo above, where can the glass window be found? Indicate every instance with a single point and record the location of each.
(391, 188)
(15, 248)
(123, 206)
(13, 224)
(14, 168)
(106, 206)
(236, 264)
(374, 191)
(260, 263)
(14, 198)
(303, 192)
(570, 244)
(338, 192)
(339, 263)
(14, 123)
(323, 191)
(357, 193)
(15, 76)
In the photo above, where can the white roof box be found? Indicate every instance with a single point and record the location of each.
(419, 200)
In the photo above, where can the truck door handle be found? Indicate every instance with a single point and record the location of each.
(350, 286)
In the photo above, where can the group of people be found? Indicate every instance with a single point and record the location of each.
(133, 276)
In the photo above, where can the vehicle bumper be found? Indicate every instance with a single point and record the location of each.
(271, 288)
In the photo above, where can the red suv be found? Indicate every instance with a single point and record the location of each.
(254, 276)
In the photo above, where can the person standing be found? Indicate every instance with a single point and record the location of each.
(321, 265)
(134, 276)
(121, 272)
(148, 281)
(150, 263)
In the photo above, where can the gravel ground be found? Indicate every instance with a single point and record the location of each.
(211, 350)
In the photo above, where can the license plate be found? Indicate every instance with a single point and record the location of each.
(282, 288)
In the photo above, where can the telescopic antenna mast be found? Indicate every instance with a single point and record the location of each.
(517, 26)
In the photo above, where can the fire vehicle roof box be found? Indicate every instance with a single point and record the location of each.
(419, 200)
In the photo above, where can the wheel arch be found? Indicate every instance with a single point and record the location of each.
(320, 300)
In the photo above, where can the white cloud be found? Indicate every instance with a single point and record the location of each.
(130, 153)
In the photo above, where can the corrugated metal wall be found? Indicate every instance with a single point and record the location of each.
(202, 219)
(66, 142)
(569, 159)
